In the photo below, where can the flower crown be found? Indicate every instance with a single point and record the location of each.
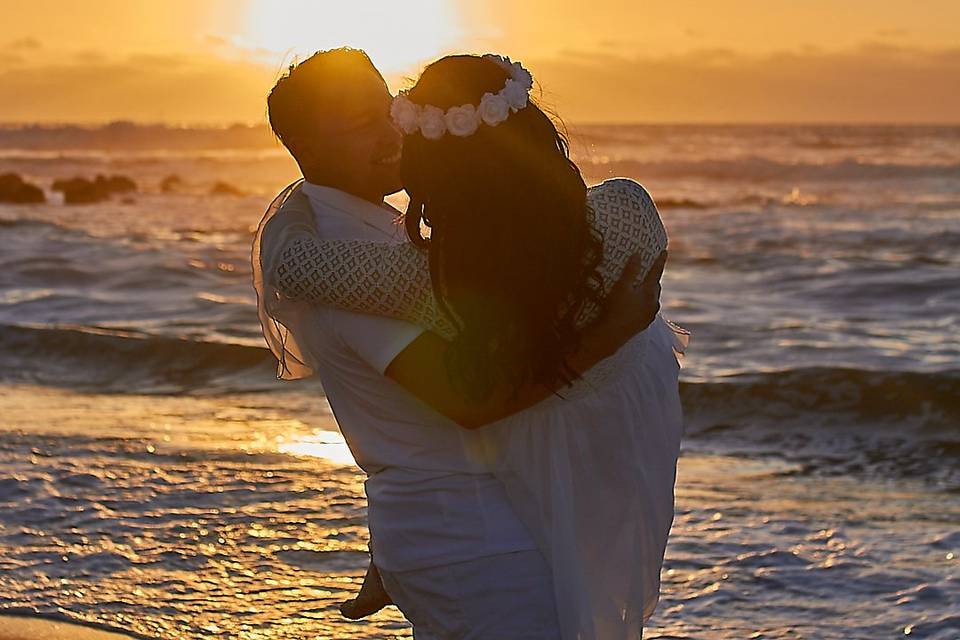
(433, 122)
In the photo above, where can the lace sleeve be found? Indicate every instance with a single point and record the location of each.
(377, 278)
(628, 221)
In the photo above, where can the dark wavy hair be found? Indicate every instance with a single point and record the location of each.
(513, 254)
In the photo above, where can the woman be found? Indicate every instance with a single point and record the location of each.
(519, 258)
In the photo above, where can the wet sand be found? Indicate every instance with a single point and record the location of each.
(28, 628)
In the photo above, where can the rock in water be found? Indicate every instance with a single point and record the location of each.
(171, 183)
(13, 189)
(82, 191)
(115, 184)
(225, 189)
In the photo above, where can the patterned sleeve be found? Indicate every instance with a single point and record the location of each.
(628, 221)
(376, 278)
(627, 218)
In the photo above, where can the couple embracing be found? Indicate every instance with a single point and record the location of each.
(494, 357)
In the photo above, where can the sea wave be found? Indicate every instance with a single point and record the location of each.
(28, 223)
(923, 401)
(136, 362)
(834, 421)
(133, 362)
(763, 169)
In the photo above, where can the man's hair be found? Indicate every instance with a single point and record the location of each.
(299, 96)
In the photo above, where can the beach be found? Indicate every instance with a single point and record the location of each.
(136, 530)
(156, 479)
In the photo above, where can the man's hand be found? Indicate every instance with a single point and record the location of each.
(634, 304)
(629, 308)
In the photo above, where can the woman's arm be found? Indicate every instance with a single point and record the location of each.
(363, 276)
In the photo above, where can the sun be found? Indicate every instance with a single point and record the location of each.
(398, 35)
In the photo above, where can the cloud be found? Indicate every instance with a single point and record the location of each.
(91, 57)
(150, 61)
(216, 41)
(25, 44)
(174, 88)
(11, 59)
(876, 82)
(893, 33)
(14, 54)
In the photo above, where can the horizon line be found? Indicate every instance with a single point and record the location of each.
(583, 123)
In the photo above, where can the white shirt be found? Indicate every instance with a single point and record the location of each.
(430, 502)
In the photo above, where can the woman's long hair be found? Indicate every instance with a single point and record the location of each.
(513, 255)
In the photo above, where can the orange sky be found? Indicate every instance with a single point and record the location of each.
(213, 61)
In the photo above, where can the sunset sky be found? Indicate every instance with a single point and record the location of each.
(213, 61)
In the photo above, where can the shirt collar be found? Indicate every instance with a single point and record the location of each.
(334, 200)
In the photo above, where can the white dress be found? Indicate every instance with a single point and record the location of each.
(591, 470)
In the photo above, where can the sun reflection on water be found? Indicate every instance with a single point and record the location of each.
(328, 445)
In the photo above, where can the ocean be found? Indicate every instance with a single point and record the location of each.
(156, 479)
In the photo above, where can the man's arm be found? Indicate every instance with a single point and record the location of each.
(629, 309)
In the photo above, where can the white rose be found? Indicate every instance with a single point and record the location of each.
(521, 75)
(404, 114)
(432, 125)
(516, 94)
(463, 120)
(494, 109)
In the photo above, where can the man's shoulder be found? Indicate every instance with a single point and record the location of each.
(288, 215)
(294, 199)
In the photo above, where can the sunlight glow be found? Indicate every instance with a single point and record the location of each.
(398, 36)
(328, 445)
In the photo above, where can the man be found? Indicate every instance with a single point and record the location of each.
(454, 555)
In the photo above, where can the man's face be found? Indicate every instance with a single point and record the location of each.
(362, 146)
